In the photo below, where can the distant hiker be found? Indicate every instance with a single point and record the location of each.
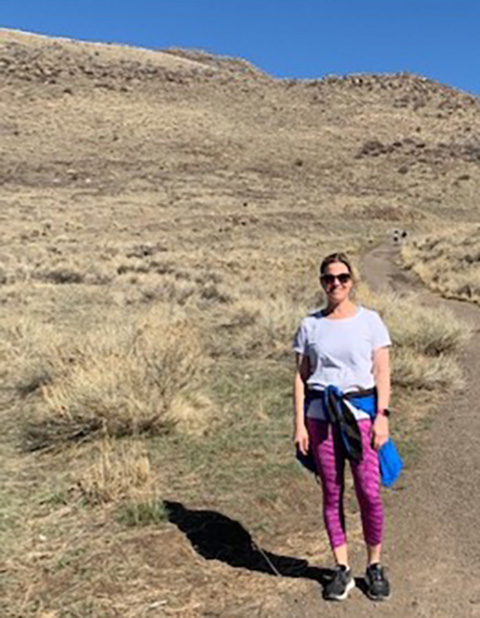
(399, 235)
(341, 398)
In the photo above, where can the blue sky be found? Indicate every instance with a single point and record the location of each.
(295, 38)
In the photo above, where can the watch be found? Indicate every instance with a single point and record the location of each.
(383, 412)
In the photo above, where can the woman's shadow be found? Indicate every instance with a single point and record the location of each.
(217, 537)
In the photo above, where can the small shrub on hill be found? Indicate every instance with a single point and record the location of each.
(139, 374)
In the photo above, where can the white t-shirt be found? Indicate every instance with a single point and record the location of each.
(340, 352)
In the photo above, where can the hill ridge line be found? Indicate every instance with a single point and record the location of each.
(108, 46)
(207, 60)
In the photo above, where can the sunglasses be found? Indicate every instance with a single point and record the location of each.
(343, 278)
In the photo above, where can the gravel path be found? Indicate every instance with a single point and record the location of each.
(432, 542)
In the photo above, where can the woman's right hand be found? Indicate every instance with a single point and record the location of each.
(301, 439)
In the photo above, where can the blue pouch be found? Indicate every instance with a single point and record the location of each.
(391, 463)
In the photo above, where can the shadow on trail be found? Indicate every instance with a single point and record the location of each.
(217, 537)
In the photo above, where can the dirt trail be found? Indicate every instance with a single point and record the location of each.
(432, 541)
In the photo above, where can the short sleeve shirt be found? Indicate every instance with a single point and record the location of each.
(340, 352)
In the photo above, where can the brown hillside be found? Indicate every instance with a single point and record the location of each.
(95, 119)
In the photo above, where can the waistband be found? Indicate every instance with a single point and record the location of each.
(318, 394)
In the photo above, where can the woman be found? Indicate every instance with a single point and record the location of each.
(344, 346)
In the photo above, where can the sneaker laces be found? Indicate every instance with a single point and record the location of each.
(376, 572)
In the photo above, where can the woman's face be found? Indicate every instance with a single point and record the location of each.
(336, 282)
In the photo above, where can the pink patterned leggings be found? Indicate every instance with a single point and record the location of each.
(330, 462)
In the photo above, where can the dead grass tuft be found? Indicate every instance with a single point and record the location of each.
(120, 471)
(426, 341)
(263, 326)
(413, 370)
(447, 261)
(121, 475)
(427, 330)
(142, 374)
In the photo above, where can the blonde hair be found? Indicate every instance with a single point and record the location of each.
(343, 259)
(335, 257)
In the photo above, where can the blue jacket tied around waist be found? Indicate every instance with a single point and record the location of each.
(337, 411)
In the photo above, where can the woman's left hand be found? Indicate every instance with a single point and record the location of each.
(380, 431)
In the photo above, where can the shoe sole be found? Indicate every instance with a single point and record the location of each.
(372, 597)
(342, 597)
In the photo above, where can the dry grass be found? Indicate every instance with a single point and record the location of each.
(413, 370)
(428, 330)
(257, 327)
(448, 261)
(138, 374)
(121, 475)
(426, 341)
(121, 471)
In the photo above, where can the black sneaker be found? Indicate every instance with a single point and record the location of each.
(378, 587)
(340, 585)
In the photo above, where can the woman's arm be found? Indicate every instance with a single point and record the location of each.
(301, 374)
(381, 372)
